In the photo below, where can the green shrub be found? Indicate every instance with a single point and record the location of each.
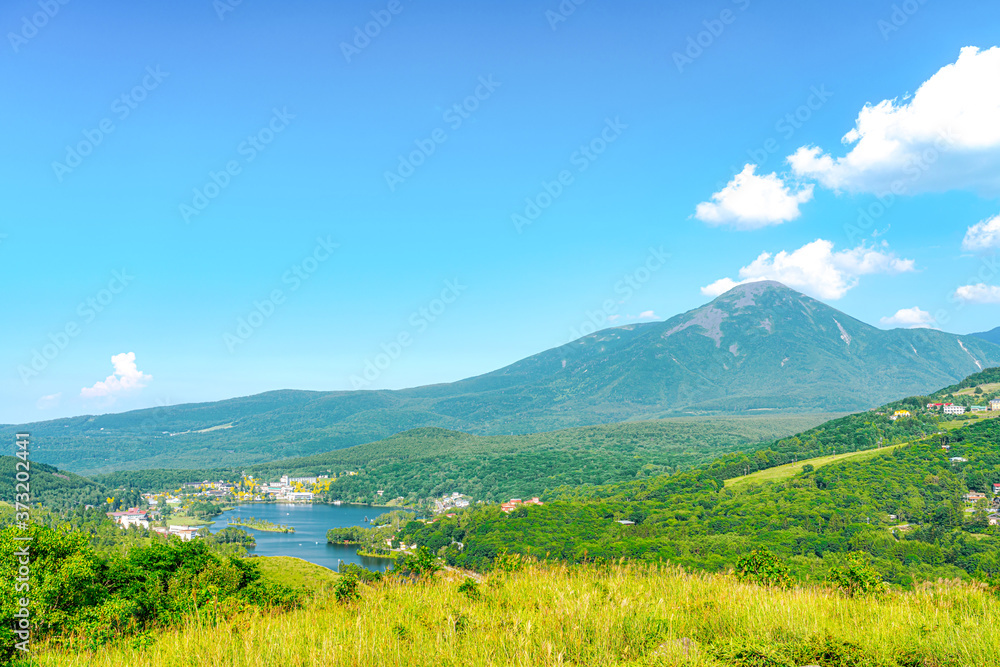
(359, 573)
(858, 577)
(346, 589)
(89, 599)
(469, 588)
(423, 564)
(763, 568)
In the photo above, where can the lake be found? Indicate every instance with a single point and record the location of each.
(311, 522)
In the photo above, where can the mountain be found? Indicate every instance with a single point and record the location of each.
(759, 347)
(991, 336)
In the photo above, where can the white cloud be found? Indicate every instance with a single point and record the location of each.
(647, 315)
(126, 377)
(946, 136)
(910, 318)
(816, 269)
(980, 293)
(750, 201)
(48, 402)
(983, 235)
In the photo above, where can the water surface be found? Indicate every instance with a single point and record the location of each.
(311, 522)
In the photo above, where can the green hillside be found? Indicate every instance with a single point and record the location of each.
(429, 462)
(759, 347)
(904, 507)
(49, 485)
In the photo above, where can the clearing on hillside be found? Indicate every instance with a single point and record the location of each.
(791, 469)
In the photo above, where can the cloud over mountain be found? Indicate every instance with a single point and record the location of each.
(816, 269)
(125, 378)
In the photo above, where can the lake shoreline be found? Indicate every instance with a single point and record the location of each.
(311, 521)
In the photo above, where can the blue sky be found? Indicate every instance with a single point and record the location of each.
(235, 159)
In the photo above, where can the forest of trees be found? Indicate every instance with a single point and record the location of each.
(814, 519)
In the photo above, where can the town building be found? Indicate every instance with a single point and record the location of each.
(954, 409)
(132, 517)
(186, 533)
(454, 501)
(995, 404)
(509, 506)
(301, 480)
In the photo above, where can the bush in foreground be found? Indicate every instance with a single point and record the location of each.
(84, 599)
(610, 615)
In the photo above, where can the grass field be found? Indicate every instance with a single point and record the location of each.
(975, 417)
(791, 469)
(617, 615)
(186, 521)
(295, 572)
(989, 388)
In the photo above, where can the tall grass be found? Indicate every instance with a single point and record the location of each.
(617, 615)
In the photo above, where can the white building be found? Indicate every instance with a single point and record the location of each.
(186, 533)
(132, 517)
(954, 409)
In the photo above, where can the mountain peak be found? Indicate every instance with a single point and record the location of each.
(749, 290)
